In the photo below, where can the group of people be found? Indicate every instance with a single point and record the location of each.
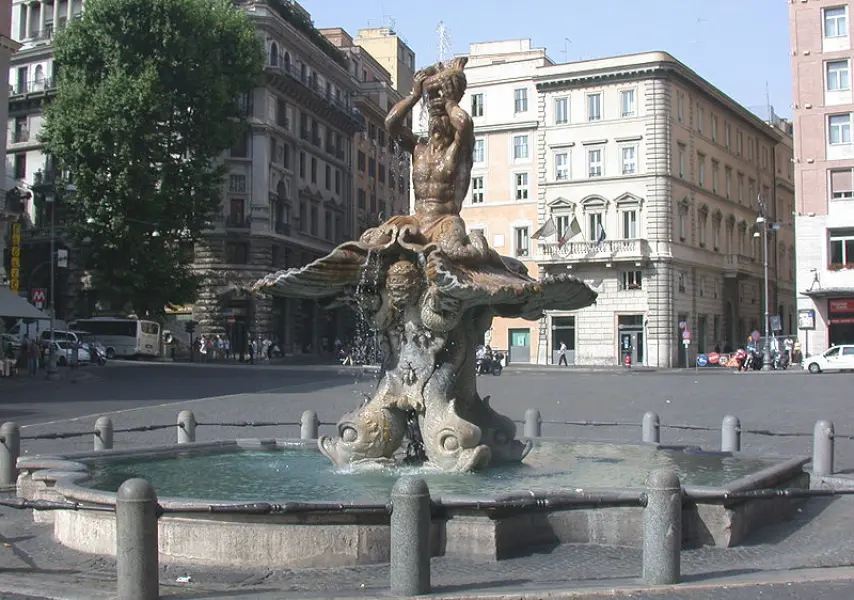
(214, 348)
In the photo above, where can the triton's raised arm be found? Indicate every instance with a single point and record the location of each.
(394, 121)
(452, 91)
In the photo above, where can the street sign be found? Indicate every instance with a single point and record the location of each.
(714, 358)
(702, 360)
(231, 320)
(686, 343)
(62, 259)
(683, 325)
(755, 335)
(806, 318)
(39, 297)
(776, 324)
(686, 335)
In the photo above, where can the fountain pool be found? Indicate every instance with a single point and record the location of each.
(305, 476)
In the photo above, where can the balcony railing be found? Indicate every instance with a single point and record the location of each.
(21, 135)
(608, 249)
(736, 263)
(30, 87)
(283, 228)
(237, 222)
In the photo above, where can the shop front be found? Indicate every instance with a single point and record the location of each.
(840, 312)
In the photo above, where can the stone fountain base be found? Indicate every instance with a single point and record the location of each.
(357, 537)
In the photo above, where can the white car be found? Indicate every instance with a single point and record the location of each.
(65, 354)
(837, 358)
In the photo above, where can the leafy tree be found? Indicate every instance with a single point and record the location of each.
(147, 101)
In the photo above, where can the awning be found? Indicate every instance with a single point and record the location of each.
(837, 292)
(16, 307)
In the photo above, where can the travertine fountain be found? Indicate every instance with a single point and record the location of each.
(430, 290)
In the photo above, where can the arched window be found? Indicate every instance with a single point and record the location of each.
(274, 54)
(39, 79)
(287, 60)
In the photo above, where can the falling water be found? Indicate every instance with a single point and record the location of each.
(444, 56)
(365, 346)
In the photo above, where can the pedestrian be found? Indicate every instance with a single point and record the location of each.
(561, 353)
(33, 352)
(226, 346)
(253, 349)
(203, 349)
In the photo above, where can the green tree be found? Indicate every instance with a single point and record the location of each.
(148, 100)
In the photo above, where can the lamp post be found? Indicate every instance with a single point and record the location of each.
(766, 351)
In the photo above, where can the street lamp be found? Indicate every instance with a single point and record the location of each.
(50, 198)
(766, 352)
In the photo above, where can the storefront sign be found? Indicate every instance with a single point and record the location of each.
(15, 266)
(841, 306)
(806, 318)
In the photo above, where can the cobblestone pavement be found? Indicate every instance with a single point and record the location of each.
(820, 537)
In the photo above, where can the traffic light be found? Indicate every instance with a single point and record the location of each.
(190, 326)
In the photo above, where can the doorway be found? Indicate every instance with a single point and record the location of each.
(563, 330)
(519, 345)
(631, 340)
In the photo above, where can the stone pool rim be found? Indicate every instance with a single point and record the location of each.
(69, 471)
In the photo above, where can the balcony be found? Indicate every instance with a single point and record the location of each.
(20, 136)
(740, 266)
(237, 222)
(23, 88)
(609, 250)
(283, 228)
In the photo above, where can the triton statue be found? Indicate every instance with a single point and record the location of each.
(430, 290)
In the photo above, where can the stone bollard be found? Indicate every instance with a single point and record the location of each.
(103, 434)
(410, 538)
(10, 450)
(186, 427)
(308, 424)
(730, 434)
(136, 541)
(651, 429)
(533, 424)
(822, 448)
(662, 528)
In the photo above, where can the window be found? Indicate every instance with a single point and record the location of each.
(361, 161)
(20, 166)
(838, 75)
(842, 248)
(361, 199)
(715, 172)
(477, 105)
(702, 225)
(714, 128)
(716, 234)
(701, 170)
(701, 118)
(337, 181)
(728, 183)
(561, 111)
(313, 170)
(520, 97)
(630, 224)
(561, 166)
(681, 158)
(840, 128)
(372, 167)
(739, 140)
(594, 225)
(327, 177)
(841, 184)
(237, 184)
(479, 153)
(680, 106)
(631, 280)
(302, 165)
(627, 103)
(240, 149)
(680, 283)
(236, 254)
(740, 188)
(381, 174)
(683, 223)
(521, 238)
(629, 159)
(563, 225)
(727, 136)
(476, 190)
(521, 186)
(835, 22)
(594, 163)
(520, 147)
(594, 107)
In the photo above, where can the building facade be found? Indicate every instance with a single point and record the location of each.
(11, 205)
(824, 163)
(381, 172)
(644, 181)
(392, 53)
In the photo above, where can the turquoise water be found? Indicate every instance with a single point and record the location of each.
(300, 475)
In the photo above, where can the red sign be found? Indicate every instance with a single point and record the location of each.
(842, 321)
(841, 306)
(39, 297)
(714, 358)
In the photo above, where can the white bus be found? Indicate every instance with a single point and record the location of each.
(127, 338)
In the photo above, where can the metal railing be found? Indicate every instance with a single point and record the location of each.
(29, 87)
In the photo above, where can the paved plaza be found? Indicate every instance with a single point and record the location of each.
(808, 557)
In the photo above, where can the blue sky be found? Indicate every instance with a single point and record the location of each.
(738, 45)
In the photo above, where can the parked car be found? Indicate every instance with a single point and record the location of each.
(836, 358)
(65, 353)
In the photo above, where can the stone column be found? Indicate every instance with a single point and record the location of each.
(28, 21)
(69, 8)
(55, 16)
(42, 17)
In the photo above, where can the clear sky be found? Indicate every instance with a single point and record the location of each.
(738, 45)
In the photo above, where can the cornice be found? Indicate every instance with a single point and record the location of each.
(504, 127)
(7, 43)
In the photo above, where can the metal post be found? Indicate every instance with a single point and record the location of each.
(651, 429)
(52, 373)
(186, 427)
(10, 450)
(136, 541)
(730, 434)
(533, 424)
(410, 538)
(662, 528)
(822, 448)
(766, 354)
(308, 424)
(103, 434)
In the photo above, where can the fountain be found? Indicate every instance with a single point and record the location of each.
(430, 290)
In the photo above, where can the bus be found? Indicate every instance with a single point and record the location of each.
(124, 338)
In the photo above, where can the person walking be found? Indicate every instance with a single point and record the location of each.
(561, 353)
